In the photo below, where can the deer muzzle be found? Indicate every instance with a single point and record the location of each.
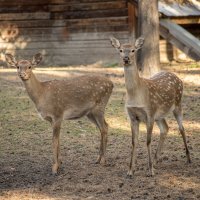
(126, 60)
(23, 76)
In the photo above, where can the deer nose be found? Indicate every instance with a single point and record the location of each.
(22, 74)
(126, 58)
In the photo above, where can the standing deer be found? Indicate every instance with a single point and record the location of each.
(148, 101)
(69, 99)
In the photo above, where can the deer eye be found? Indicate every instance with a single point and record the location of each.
(17, 67)
(120, 50)
(133, 51)
(29, 67)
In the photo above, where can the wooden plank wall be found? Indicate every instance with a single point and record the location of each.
(170, 53)
(67, 32)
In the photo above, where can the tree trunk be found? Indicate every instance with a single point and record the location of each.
(148, 27)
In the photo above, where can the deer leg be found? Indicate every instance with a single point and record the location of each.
(178, 115)
(99, 121)
(149, 134)
(56, 147)
(104, 132)
(162, 124)
(135, 133)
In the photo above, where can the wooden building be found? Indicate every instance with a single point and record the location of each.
(67, 32)
(182, 23)
(179, 29)
(70, 32)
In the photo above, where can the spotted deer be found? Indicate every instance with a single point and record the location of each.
(70, 99)
(148, 101)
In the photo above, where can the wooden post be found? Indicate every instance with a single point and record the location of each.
(148, 27)
(132, 22)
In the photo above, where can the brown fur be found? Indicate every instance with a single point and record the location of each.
(149, 100)
(72, 98)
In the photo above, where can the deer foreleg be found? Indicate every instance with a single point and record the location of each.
(135, 133)
(149, 134)
(56, 147)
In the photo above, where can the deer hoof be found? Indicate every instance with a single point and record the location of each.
(150, 174)
(189, 160)
(130, 174)
(156, 161)
(55, 169)
(101, 160)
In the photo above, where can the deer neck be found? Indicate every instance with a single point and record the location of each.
(33, 87)
(134, 86)
(132, 79)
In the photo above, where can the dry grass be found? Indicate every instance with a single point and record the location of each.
(25, 147)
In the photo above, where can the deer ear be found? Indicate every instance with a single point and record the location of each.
(139, 43)
(115, 42)
(10, 59)
(36, 59)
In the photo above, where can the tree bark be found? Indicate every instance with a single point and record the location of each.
(148, 27)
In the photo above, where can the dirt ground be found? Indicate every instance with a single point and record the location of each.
(26, 156)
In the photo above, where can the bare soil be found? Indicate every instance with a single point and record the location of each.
(26, 156)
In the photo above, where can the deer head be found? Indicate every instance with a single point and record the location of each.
(24, 67)
(127, 51)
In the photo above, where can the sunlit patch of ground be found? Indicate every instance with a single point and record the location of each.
(25, 146)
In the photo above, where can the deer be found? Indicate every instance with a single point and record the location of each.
(149, 100)
(70, 99)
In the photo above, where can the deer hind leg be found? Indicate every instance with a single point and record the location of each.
(97, 117)
(162, 124)
(149, 134)
(135, 133)
(56, 146)
(178, 115)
